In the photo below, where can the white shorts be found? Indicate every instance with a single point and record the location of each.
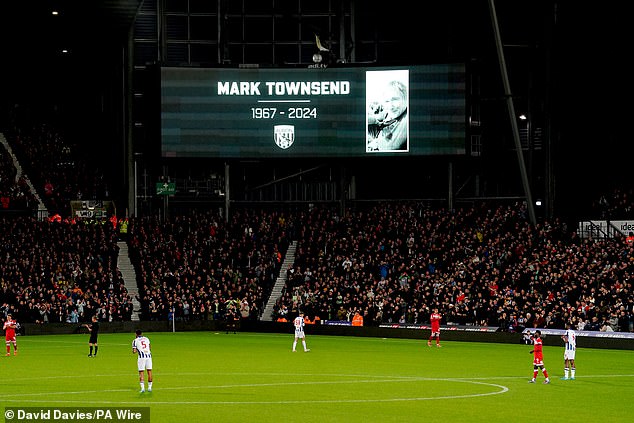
(144, 364)
(569, 354)
(299, 334)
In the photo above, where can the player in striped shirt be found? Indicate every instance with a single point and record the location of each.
(570, 339)
(141, 346)
(299, 332)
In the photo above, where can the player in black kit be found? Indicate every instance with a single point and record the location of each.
(93, 328)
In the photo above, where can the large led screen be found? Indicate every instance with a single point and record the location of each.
(331, 112)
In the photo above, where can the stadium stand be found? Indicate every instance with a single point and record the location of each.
(482, 264)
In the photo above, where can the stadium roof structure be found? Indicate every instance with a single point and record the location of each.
(565, 62)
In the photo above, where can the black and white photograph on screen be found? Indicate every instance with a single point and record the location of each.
(387, 103)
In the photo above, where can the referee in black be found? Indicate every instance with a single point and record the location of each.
(93, 328)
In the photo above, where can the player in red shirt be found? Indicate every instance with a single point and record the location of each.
(9, 334)
(435, 319)
(538, 357)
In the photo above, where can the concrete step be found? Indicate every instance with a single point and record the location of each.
(280, 282)
(128, 273)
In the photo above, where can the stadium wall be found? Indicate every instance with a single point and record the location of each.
(465, 335)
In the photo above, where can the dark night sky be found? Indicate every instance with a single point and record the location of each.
(589, 59)
(596, 147)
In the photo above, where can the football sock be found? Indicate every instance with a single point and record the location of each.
(96, 348)
(294, 345)
(91, 350)
(535, 374)
(566, 371)
(545, 373)
(572, 372)
(149, 385)
(142, 385)
(304, 344)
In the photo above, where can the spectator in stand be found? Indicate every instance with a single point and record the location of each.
(615, 204)
(503, 323)
(624, 321)
(593, 325)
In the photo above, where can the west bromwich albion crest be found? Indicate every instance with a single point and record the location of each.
(284, 135)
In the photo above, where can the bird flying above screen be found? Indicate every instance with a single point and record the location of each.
(319, 45)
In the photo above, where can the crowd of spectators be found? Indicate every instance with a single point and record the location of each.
(56, 167)
(391, 262)
(480, 265)
(200, 267)
(616, 204)
(61, 272)
(62, 269)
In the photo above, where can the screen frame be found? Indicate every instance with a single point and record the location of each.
(450, 77)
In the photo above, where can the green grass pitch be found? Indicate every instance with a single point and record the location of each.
(251, 377)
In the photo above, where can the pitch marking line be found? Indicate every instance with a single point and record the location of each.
(500, 389)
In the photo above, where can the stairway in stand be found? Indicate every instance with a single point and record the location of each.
(129, 278)
(280, 283)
